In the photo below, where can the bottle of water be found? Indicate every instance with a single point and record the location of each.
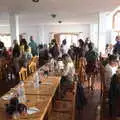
(21, 92)
(36, 81)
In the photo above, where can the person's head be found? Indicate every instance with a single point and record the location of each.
(64, 42)
(71, 47)
(81, 42)
(107, 45)
(118, 74)
(40, 46)
(28, 50)
(53, 41)
(66, 59)
(117, 38)
(31, 38)
(45, 46)
(20, 36)
(15, 42)
(87, 40)
(21, 108)
(112, 60)
(23, 41)
(91, 46)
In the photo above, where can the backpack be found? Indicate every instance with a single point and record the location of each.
(91, 56)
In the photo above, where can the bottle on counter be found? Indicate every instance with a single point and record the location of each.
(36, 80)
(21, 92)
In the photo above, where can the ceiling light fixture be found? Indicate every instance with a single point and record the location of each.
(35, 0)
(53, 15)
(59, 21)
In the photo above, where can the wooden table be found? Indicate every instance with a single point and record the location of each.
(40, 98)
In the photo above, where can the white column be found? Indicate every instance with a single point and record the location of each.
(43, 34)
(14, 26)
(98, 32)
(101, 32)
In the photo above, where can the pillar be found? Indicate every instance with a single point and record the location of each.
(14, 26)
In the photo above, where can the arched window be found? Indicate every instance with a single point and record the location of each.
(116, 21)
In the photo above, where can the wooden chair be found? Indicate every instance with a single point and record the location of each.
(23, 73)
(66, 106)
(35, 59)
(104, 93)
(32, 67)
(1, 76)
(102, 78)
(60, 116)
(81, 69)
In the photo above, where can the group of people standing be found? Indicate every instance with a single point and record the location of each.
(23, 52)
(112, 77)
(84, 58)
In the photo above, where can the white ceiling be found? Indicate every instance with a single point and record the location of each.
(69, 11)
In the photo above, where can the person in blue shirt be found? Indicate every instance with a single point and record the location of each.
(33, 46)
(116, 49)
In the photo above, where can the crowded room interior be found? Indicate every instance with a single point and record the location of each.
(59, 60)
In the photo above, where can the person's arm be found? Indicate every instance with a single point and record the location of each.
(108, 76)
(66, 70)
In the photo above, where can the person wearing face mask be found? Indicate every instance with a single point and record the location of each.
(116, 49)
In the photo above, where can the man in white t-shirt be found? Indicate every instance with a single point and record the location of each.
(110, 70)
(64, 47)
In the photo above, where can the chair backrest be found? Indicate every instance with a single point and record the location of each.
(32, 67)
(102, 78)
(81, 69)
(34, 59)
(69, 102)
(23, 73)
(1, 73)
(74, 100)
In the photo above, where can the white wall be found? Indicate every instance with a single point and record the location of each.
(66, 28)
(30, 31)
(4, 29)
(106, 32)
(94, 34)
(41, 32)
